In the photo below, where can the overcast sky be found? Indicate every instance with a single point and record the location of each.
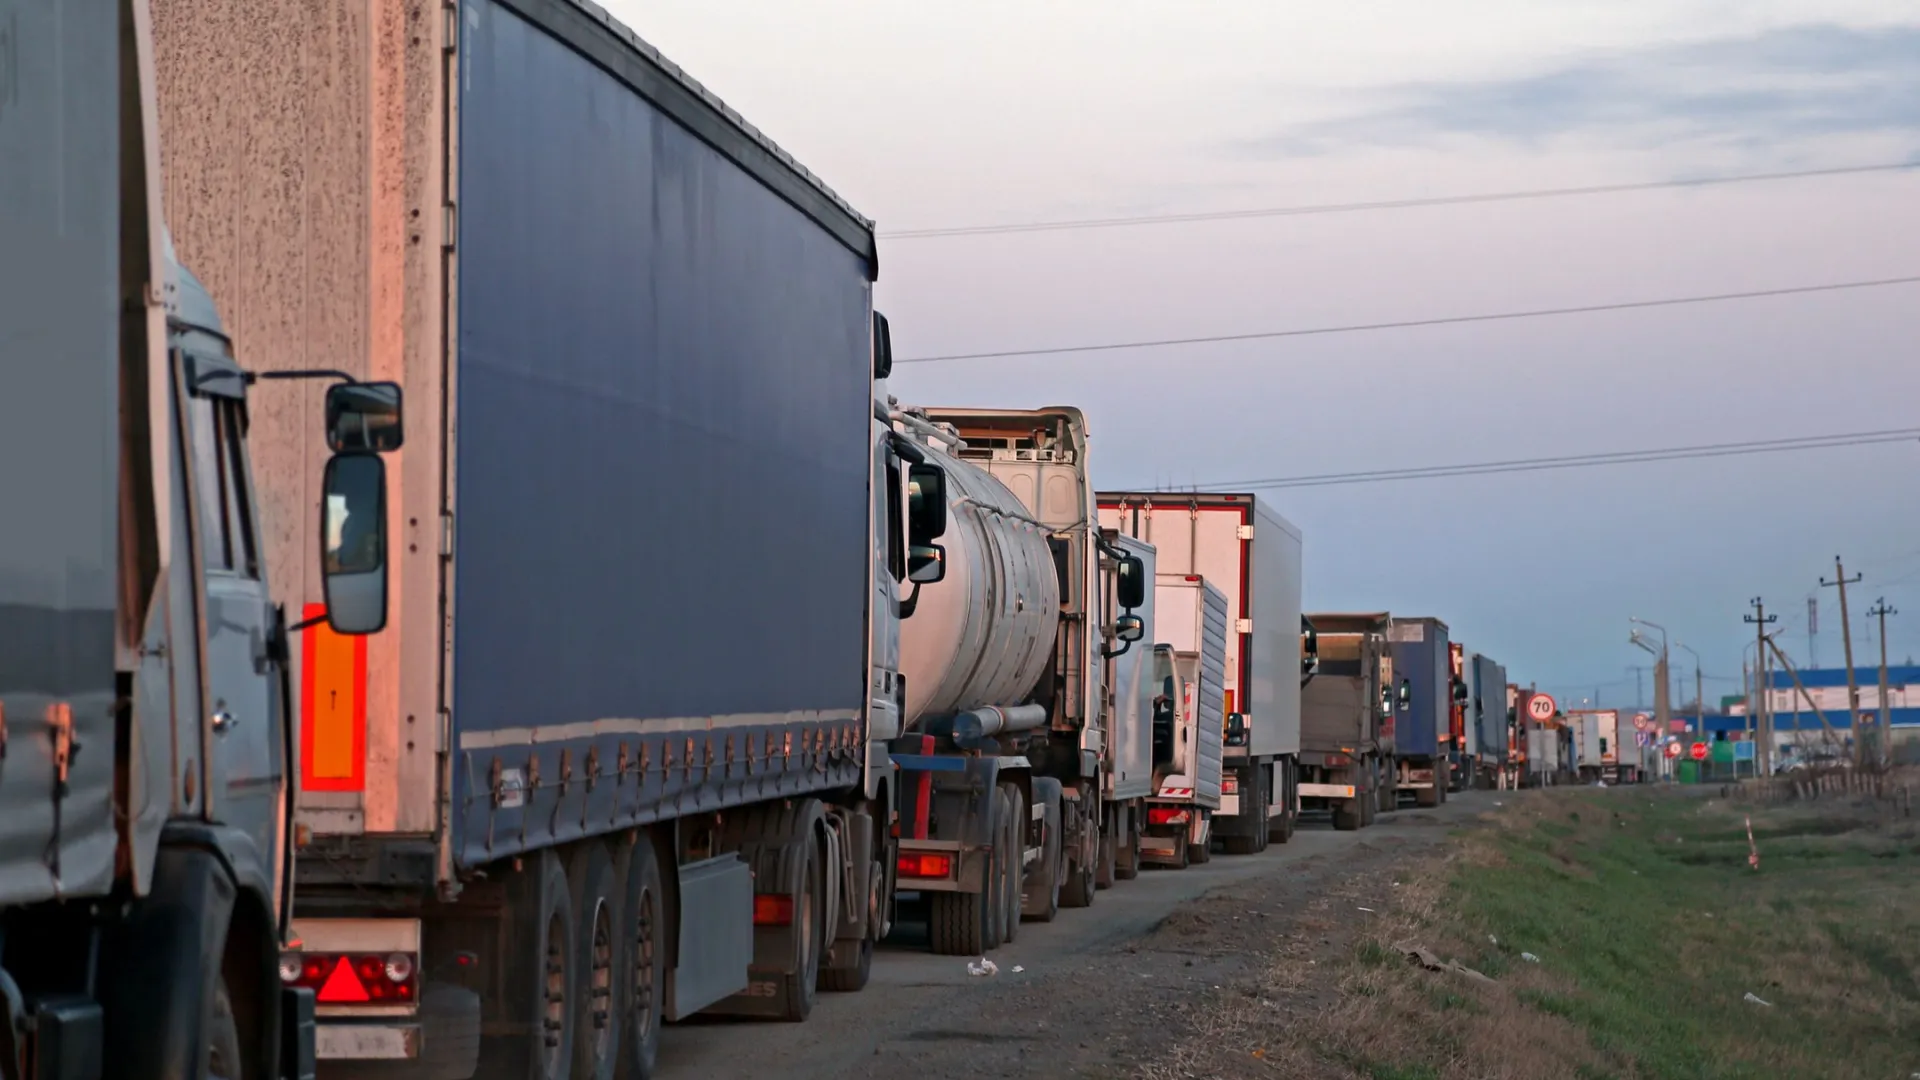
(928, 115)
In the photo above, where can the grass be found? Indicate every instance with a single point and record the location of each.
(1650, 929)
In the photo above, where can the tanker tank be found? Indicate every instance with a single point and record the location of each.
(981, 639)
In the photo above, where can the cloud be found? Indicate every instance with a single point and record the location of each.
(1795, 82)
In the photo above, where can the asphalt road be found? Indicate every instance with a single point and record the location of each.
(914, 992)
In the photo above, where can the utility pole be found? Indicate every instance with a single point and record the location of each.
(1760, 619)
(1841, 581)
(1881, 609)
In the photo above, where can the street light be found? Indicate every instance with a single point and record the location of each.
(1699, 689)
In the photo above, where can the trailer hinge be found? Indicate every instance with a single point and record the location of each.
(452, 42)
(446, 535)
(1244, 532)
(1243, 626)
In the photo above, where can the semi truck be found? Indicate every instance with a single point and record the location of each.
(619, 756)
(148, 741)
(1423, 660)
(1487, 719)
(1189, 719)
(1253, 555)
(1347, 715)
(1026, 752)
(1596, 740)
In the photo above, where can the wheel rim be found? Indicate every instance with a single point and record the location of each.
(600, 986)
(554, 1020)
(643, 961)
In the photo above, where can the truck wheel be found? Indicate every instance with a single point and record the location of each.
(551, 948)
(644, 934)
(596, 1015)
(1126, 864)
(1253, 810)
(1041, 897)
(809, 909)
(1368, 802)
(1429, 797)
(1078, 889)
(1347, 817)
(1013, 839)
(957, 923)
(1104, 869)
(1203, 851)
(224, 1060)
(1280, 829)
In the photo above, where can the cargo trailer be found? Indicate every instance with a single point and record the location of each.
(1253, 555)
(619, 755)
(1347, 713)
(1423, 662)
(1488, 715)
(1596, 739)
(1189, 719)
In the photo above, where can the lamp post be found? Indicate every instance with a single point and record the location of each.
(1699, 691)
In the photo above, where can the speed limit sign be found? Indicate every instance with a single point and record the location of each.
(1642, 722)
(1542, 707)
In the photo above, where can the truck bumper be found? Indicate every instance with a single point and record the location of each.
(1327, 791)
(367, 1041)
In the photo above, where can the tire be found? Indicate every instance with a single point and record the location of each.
(1368, 801)
(1200, 853)
(551, 946)
(966, 923)
(1383, 781)
(1013, 838)
(1041, 899)
(643, 938)
(225, 1060)
(1254, 806)
(596, 966)
(1280, 829)
(1109, 856)
(802, 985)
(1078, 890)
(1429, 797)
(1349, 815)
(1126, 865)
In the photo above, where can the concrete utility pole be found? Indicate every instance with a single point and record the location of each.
(1760, 619)
(1699, 689)
(1841, 581)
(1881, 609)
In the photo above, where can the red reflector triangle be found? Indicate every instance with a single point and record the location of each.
(343, 985)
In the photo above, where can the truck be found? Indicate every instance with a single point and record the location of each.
(1347, 715)
(619, 756)
(148, 738)
(1487, 718)
(1026, 751)
(1423, 662)
(1596, 739)
(1253, 555)
(1189, 719)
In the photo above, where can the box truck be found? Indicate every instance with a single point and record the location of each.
(1189, 719)
(1347, 713)
(619, 755)
(1027, 748)
(1254, 556)
(1423, 662)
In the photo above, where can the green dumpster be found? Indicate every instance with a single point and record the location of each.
(1688, 771)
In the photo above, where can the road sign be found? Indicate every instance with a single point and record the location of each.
(1743, 750)
(1641, 721)
(1640, 738)
(1673, 749)
(1542, 707)
(1699, 751)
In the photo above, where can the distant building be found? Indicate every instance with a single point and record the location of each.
(1828, 688)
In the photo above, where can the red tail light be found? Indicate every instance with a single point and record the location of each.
(924, 865)
(1166, 815)
(1338, 761)
(353, 979)
(772, 910)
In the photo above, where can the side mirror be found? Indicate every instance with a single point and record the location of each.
(926, 502)
(1406, 696)
(1129, 628)
(1459, 690)
(353, 543)
(364, 417)
(882, 347)
(926, 564)
(1236, 729)
(1131, 587)
(1386, 701)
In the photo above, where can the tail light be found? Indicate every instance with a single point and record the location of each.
(924, 865)
(353, 978)
(772, 910)
(1338, 761)
(1229, 785)
(1166, 815)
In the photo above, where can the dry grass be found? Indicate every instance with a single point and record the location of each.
(1650, 928)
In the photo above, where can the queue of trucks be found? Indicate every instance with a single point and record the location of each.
(492, 604)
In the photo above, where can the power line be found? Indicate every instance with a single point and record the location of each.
(1386, 204)
(1572, 461)
(1404, 324)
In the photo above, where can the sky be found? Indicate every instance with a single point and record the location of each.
(930, 115)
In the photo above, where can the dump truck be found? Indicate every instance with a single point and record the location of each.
(619, 756)
(1189, 719)
(1423, 663)
(1347, 714)
(148, 739)
(1026, 752)
(1253, 555)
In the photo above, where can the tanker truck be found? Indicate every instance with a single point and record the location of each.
(619, 756)
(148, 746)
(1027, 747)
(1252, 554)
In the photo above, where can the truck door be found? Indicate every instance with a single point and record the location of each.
(244, 711)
